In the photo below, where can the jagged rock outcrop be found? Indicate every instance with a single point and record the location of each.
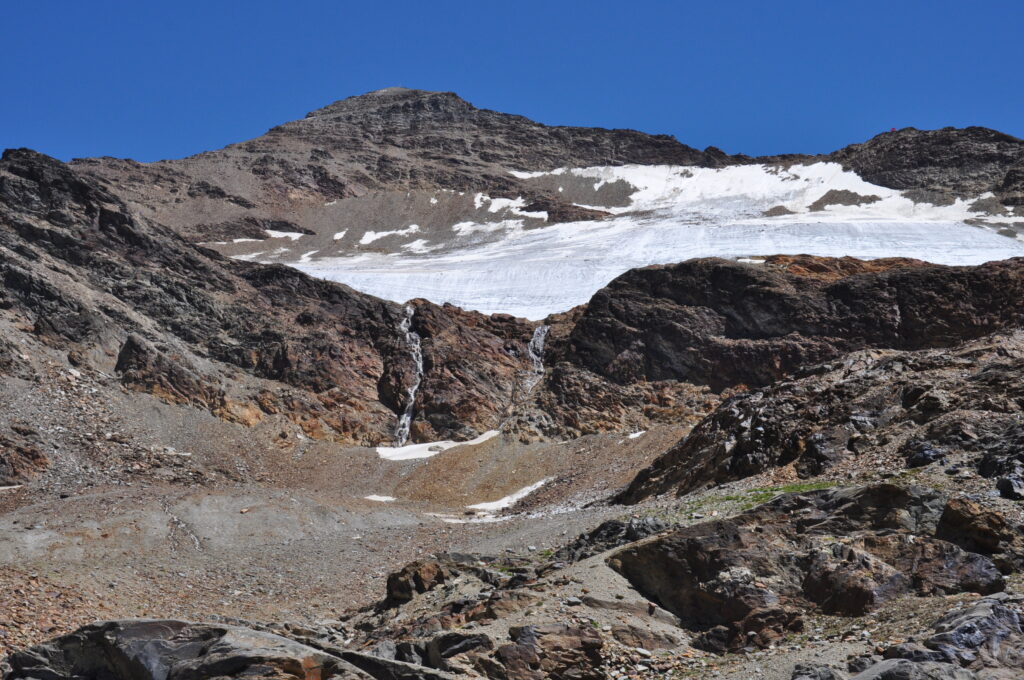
(556, 651)
(21, 456)
(918, 408)
(608, 535)
(416, 577)
(744, 581)
(978, 641)
(723, 323)
(954, 162)
(176, 650)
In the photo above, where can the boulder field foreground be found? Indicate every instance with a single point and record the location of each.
(781, 466)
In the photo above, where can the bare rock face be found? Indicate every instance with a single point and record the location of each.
(960, 162)
(919, 407)
(88, 275)
(144, 367)
(743, 581)
(158, 650)
(724, 323)
(21, 455)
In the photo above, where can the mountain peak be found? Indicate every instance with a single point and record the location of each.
(396, 96)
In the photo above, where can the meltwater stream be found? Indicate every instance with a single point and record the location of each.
(412, 339)
(536, 352)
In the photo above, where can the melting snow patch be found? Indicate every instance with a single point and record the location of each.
(513, 205)
(307, 256)
(420, 245)
(414, 451)
(340, 235)
(10, 488)
(433, 200)
(510, 500)
(293, 235)
(479, 519)
(371, 236)
(379, 499)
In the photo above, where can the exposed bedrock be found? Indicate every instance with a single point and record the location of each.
(723, 323)
(916, 408)
(745, 581)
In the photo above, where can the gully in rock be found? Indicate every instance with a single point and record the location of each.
(412, 339)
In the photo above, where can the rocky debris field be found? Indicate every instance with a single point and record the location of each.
(879, 582)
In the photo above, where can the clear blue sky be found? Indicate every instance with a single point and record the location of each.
(150, 79)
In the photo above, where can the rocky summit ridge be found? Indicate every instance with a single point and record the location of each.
(399, 140)
(780, 466)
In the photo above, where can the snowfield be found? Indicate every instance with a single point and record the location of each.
(674, 214)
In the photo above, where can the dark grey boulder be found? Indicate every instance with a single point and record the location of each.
(145, 649)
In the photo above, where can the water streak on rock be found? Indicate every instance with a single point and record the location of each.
(412, 338)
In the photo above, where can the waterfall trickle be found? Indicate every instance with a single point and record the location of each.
(412, 339)
(536, 351)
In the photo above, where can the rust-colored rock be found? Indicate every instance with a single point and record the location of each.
(556, 651)
(415, 577)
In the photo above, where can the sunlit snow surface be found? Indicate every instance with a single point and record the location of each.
(429, 449)
(510, 500)
(675, 214)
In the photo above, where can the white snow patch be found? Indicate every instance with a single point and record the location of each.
(246, 240)
(306, 257)
(749, 260)
(293, 235)
(371, 236)
(414, 451)
(479, 519)
(513, 205)
(420, 245)
(433, 200)
(510, 500)
(340, 235)
(379, 499)
(11, 488)
(637, 435)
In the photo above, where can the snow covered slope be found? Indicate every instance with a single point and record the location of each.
(672, 214)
